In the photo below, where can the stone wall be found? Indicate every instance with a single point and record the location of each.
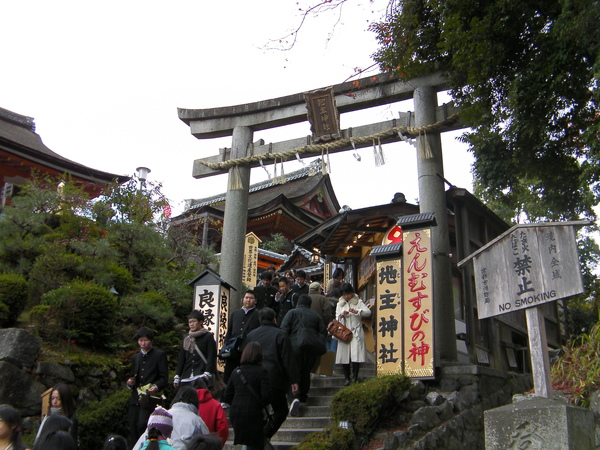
(448, 413)
(23, 377)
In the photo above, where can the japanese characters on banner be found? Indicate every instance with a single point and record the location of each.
(250, 267)
(213, 301)
(526, 267)
(389, 317)
(418, 304)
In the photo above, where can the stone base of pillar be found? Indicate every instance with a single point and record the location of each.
(539, 423)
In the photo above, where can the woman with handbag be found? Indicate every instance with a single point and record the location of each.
(248, 392)
(350, 310)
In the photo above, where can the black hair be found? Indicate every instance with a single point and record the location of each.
(346, 288)
(266, 314)
(300, 274)
(252, 354)
(67, 401)
(266, 275)
(55, 440)
(305, 300)
(204, 442)
(284, 280)
(12, 418)
(196, 314)
(251, 292)
(337, 272)
(199, 383)
(115, 442)
(152, 439)
(144, 332)
(55, 422)
(186, 394)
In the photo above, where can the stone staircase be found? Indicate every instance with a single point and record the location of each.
(314, 415)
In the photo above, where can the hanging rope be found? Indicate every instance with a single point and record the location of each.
(407, 131)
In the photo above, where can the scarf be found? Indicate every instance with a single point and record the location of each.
(189, 342)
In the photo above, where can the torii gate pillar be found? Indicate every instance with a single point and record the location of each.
(432, 198)
(236, 215)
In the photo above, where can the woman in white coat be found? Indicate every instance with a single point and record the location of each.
(351, 309)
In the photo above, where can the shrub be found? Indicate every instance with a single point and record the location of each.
(83, 311)
(98, 420)
(364, 404)
(577, 370)
(148, 309)
(38, 316)
(332, 438)
(13, 298)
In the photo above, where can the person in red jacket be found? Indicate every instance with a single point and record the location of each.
(211, 412)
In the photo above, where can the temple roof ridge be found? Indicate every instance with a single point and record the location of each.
(306, 171)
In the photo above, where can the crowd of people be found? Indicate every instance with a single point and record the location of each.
(265, 379)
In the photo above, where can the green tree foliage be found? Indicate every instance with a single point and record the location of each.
(56, 235)
(84, 312)
(525, 76)
(13, 297)
(276, 243)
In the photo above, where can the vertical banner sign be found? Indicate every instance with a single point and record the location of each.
(418, 304)
(389, 317)
(213, 301)
(250, 267)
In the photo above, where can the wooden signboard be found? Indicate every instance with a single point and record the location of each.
(526, 267)
(250, 267)
(323, 115)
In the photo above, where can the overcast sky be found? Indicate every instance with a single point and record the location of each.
(103, 81)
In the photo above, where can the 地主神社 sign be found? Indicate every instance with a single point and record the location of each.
(527, 266)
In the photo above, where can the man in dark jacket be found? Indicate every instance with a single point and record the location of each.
(294, 322)
(285, 298)
(300, 287)
(241, 322)
(265, 293)
(278, 359)
(148, 368)
(198, 354)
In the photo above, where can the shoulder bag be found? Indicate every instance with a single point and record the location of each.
(339, 331)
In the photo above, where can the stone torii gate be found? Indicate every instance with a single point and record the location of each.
(425, 124)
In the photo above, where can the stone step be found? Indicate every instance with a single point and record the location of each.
(314, 411)
(294, 435)
(306, 422)
(324, 391)
(316, 400)
(277, 445)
